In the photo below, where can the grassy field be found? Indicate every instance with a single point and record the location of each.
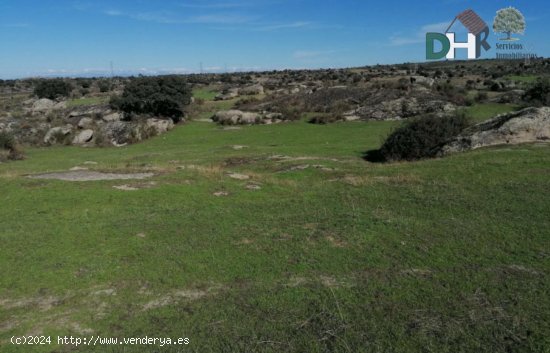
(208, 94)
(331, 254)
(483, 111)
(524, 79)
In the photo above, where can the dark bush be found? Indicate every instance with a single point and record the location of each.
(52, 89)
(539, 93)
(481, 97)
(325, 119)
(163, 96)
(419, 138)
(104, 86)
(9, 147)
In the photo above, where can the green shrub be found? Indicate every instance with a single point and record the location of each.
(419, 138)
(539, 93)
(290, 114)
(9, 147)
(7, 140)
(163, 96)
(52, 89)
(104, 86)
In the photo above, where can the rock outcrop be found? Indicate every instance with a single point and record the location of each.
(252, 90)
(237, 117)
(227, 95)
(42, 106)
(402, 108)
(159, 125)
(55, 134)
(83, 137)
(527, 125)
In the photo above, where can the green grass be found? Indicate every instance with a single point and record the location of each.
(481, 112)
(87, 101)
(524, 78)
(207, 94)
(444, 255)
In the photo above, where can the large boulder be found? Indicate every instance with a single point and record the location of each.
(43, 105)
(236, 117)
(513, 96)
(159, 125)
(121, 133)
(528, 125)
(252, 90)
(55, 134)
(227, 95)
(85, 123)
(83, 137)
(427, 81)
(112, 117)
(60, 106)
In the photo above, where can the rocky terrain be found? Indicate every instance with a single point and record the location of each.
(85, 117)
(526, 126)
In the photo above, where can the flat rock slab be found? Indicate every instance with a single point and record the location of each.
(238, 176)
(85, 175)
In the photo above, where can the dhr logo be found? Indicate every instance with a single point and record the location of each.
(478, 32)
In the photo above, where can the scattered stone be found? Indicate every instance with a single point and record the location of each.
(238, 176)
(253, 187)
(141, 235)
(105, 292)
(221, 193)
(300, 167)
(83, 137)
(125, 188)
(174, 297)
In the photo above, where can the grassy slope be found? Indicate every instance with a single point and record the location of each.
(448, 255)
(481, 112)
(207, 93)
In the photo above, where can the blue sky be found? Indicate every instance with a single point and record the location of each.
(82, 37)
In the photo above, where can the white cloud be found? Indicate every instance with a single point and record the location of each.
(420, 35)
(292, 25)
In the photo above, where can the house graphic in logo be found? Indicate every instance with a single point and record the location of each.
(478, 32)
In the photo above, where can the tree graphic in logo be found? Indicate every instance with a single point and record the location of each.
(508, 21)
